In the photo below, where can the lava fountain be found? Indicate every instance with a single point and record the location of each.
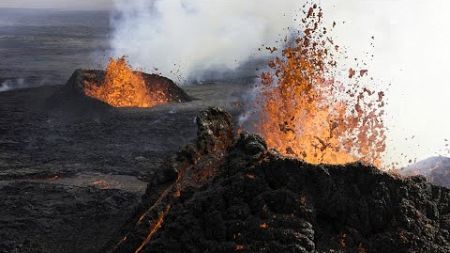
(123, 87)
(304, 111)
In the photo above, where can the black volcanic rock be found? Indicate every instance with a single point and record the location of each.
(70, 100)
(38, 217)
(222, 194)
(435, 169)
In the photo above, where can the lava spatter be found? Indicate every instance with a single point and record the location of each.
(123, 87)
(306, 112)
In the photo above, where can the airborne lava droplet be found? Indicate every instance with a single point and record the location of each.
(351, 73)
(363, 72)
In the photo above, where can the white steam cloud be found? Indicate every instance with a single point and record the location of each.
(183, 37)
(411, 59)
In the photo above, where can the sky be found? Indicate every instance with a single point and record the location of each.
(58, 4)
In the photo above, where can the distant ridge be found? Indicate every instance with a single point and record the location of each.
(435, 169)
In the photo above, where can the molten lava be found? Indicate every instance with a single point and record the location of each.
(123, 87)
(308, 114)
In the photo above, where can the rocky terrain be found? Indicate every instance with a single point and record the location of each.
(221, 194)
(435, 169)
(69, 181)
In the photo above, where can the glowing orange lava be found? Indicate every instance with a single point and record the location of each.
(308, 114)
(123, 87)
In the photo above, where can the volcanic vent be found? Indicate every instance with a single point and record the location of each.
(305, 108)
(222, 194)
(121, 86)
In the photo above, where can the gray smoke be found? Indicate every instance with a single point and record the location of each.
(183, 37)
(13, 84)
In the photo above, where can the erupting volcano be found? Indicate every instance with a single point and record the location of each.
(292, 162)
(307, 113)
(227, 193)
(124, 87)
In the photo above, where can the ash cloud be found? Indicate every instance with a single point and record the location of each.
(186, 38)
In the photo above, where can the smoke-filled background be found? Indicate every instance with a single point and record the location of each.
(411, 50)
(189, 38)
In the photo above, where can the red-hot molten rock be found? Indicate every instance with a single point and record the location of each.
(305, 112)
(121, 86)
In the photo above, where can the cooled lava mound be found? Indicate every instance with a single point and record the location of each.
(222, 194)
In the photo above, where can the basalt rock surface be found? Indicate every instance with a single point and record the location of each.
(42, 217)
(222, 194)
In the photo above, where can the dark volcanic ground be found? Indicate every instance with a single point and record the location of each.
(68, 183)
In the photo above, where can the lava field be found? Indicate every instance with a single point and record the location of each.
(73, 169)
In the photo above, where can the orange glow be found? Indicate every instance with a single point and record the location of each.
(123, 87)
(153, 229)
(101, 184)
(239, 247)
(306, 113)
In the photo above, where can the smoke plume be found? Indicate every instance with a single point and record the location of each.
(183, 37)
(13, 84)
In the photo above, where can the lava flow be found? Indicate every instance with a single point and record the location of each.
(123, 87)
(305, 112)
